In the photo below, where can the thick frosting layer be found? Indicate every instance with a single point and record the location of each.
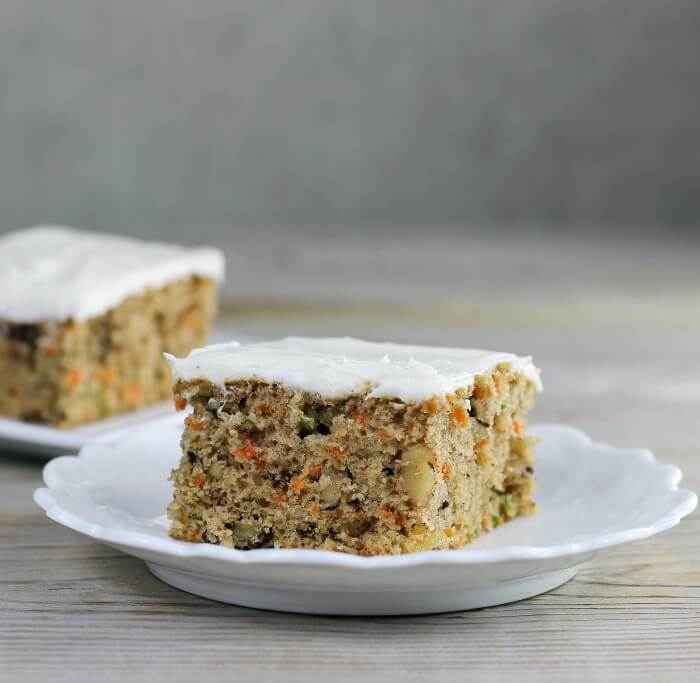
(337, 367)
(55, 273)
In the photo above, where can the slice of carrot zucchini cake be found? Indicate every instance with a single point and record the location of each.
(349, 445)
(85, 319)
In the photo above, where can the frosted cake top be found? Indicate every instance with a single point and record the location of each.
(337, 367)
(55, 273)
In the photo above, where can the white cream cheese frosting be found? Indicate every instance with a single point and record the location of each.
(337, 367)
(55, 273)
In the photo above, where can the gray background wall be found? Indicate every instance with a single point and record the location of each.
(164, 114)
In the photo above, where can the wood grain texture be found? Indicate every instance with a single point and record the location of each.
(74, 610)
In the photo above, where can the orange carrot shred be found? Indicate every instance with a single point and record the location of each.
(132, 392)
(396, 518)
(361, 419)
(297, 485)
(193, 423)
(460, 416)
(315, 509)
(337, 454)
(180, 404)
(248, 452)
(74, 377)
(198, 480)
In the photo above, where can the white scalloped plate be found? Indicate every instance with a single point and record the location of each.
(590, 497)
(45, 441)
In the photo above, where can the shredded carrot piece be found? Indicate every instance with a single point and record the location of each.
(446, 470)
(361, 419)
(181, 404)
(484, 442)
(297, 485)
(265, 409)
(337, 454)
(74, 377)
(517, 427)
(193, 423)
(198, 480)
(279, 497)
(396, 518)
(248, 452)
(315, 510)
(449, 533)
(460, 416)
(432, 405)
(383, 435)
(316, 470)
(131, 393)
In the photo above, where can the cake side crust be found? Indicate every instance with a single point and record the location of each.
(66, 373)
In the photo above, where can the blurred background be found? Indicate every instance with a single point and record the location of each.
(157, 116)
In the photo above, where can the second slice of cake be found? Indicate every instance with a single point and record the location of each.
(85, 319)
(351, 446)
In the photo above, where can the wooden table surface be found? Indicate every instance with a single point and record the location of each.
(624, 366)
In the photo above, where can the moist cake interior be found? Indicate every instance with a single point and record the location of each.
(266, 465)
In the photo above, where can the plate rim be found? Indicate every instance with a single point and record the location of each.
(44, 441)
(685, 503)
